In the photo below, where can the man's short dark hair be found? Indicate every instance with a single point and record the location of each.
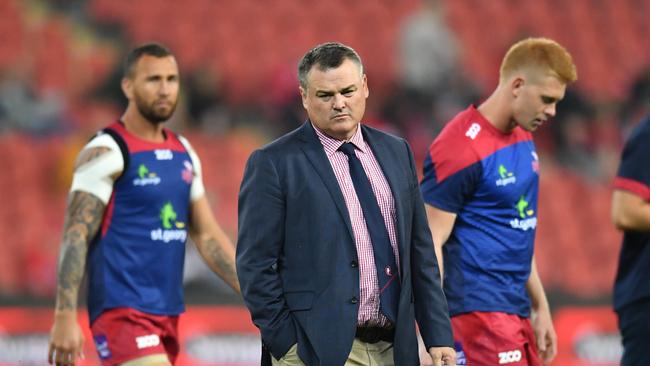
(326, 56)
(151, 49)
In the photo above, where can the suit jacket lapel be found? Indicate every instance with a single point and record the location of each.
(314, 151)
(393, 175)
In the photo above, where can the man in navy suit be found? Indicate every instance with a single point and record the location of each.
(335, 257)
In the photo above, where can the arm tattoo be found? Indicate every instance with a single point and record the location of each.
(83, 217)
(221, 262)
(87, 155)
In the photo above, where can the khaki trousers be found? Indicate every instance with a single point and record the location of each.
(362, 354)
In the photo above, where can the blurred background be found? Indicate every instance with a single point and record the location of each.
(60, 69)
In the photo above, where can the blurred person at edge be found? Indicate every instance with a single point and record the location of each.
(428, 53)
(137, 192)
(334, 254)
(480, 186)
(631, 214)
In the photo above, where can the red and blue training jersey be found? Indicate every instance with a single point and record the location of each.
(137, 258)
(633, 275)
(490, 180)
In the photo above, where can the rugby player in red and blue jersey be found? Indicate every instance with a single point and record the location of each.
(631, 214)
(136, 194)
(480, 185)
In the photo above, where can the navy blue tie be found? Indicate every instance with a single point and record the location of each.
(387, 273)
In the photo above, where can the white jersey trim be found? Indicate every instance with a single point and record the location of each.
(96, 176)
(198, 189)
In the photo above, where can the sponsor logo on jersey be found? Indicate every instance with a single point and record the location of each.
(145, 177)
(171, 230)
(101, 343)
(509, 357)
(535, 163)
(506, 177)
(461, 360)
(526, 220)
(163, 154)
(151, 340)
(473, 130)
(188, 172)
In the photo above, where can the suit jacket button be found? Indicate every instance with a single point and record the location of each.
(354, 264)
(354, 300)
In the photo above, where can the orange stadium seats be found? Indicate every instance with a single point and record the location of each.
(248, 41)
(576, 245)
(607, 59)
(11, 33)
(578, 24)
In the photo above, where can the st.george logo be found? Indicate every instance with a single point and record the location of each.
(526, 220)
(172, 230)
(505, 177)
(146, 177)
(522, 208)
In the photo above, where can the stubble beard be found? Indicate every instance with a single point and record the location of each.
(150, 113)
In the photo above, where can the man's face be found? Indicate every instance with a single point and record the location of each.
(153, 86)
(536, 98)
(335, 99)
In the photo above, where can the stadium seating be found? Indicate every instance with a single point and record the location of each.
(11, 33)
(247, 42)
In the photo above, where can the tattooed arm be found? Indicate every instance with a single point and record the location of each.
(82, 220)
(213, 244)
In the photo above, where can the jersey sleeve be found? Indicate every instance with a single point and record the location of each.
(634, 171)
(449, 189)
(97, 176)
(198, 189)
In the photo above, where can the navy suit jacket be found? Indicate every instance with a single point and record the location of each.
(297, 259)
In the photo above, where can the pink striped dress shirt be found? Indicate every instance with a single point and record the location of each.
(369, 286)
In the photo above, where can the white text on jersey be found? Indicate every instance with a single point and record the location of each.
(473, 131)
(147, 341)
(164, 154)
(509, 357)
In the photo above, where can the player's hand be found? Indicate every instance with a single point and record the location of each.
(544, 334)
(66, 340)
(443, 356)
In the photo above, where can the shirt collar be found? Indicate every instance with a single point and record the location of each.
(331, 145)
